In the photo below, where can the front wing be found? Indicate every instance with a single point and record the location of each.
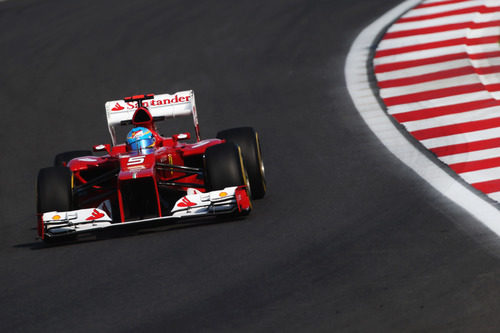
(194, 204)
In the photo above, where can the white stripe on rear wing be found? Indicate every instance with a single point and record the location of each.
(162, 106)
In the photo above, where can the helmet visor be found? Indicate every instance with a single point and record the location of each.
(142, 144)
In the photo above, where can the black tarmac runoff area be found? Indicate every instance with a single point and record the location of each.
(347, 239)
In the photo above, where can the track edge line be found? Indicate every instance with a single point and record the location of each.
(359, 85)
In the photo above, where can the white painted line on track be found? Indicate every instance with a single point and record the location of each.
(444, 101)
(442, 8)
(392, 43)
(483, 32)
(473, 49)
(358, 84)
(452, 119)
(430, 85)
(428, 53)
(467, 137)
(471, 156)
(426, 69)
(432, 22)
(481, 175)
(494, 61)
(495, 196)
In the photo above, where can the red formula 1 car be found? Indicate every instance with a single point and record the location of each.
(150, 179)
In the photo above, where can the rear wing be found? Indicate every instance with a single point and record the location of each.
(161, 107)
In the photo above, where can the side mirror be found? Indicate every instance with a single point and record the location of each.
(182, 136)
(106, 148)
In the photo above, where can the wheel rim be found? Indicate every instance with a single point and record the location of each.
(261, 162)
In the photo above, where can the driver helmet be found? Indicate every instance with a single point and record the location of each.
(140, 138)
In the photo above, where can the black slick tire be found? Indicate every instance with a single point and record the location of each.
(54, 193)
(224, 167)
(248, 140)
(54, 189)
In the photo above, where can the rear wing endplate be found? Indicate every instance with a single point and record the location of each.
(161, 107)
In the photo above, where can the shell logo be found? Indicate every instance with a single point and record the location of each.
(56, 217)
(223, 194)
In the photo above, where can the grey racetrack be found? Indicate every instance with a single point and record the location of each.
(347, 238)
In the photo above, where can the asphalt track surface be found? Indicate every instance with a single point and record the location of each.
(347, 239)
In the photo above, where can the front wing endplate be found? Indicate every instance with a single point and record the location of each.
(194, 204)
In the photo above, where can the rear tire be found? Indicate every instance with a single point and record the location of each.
(62, 159)
(248, 141)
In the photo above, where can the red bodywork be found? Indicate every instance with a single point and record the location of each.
(125, 187)
(143, 178)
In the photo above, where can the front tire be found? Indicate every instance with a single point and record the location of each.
(54, 190)
(54, 193)
(224, 167)
(248, 141)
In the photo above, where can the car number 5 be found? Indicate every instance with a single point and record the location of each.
(135, 160)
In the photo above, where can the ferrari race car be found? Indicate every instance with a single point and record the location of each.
(150, 179)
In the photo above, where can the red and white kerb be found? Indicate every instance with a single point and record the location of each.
(438, 70)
